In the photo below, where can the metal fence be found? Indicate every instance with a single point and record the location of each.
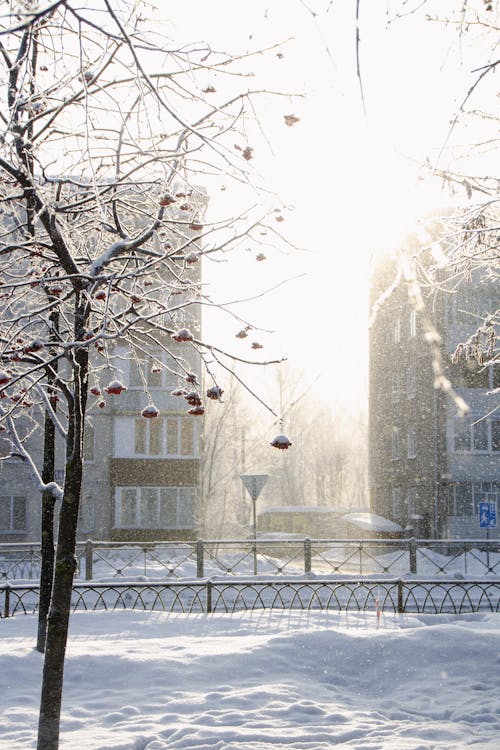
(98, 560)
(229, 596)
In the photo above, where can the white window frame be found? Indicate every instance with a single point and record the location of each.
(411, 500)
(397, 330)
(166, 378)
(412, 442)
(411, 382)
(473, 431)
(395, 444)
(182, 495)
(125, 436)
(397, 502)
(413, 323)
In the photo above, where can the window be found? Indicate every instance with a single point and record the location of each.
(495, 435)
(413, 323)
(462, 435)
(410, 500)
(86, 514)
(152, 372)
(396, 386)
(88, 443)
(465, 497)
(397, 330)
(162, 437)
(155, 507)
(411, 382)
(13, 513)
(397, 502)
(412, 442)
(395, 447)
(481, 436)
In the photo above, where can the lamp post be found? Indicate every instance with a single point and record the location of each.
(254, 484)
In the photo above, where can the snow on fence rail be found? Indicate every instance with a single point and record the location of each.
(233, 595)
(160, 560)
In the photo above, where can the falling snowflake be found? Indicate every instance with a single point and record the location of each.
(291, 120)
(247, 153)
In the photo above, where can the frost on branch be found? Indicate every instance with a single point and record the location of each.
(184, 334)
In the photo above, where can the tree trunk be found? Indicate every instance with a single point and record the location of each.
(47, 567)
(48, 504)
(60, 607)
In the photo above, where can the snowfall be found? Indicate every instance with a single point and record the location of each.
(261, 680)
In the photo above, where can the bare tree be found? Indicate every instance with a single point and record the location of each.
(109, 131)
(463, 246)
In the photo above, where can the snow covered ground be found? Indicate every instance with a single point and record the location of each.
(261, 681)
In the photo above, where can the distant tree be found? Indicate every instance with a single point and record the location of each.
(109, 133)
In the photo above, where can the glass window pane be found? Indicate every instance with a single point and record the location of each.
(463, 499)
(187, 429)
(480, 436)
(168, 508)
(462, 435)
(149, 505)
(140, 437)
(155, 437)
(186, 507)
(128, 509)
(495, 434)
(19, 514)
(5, 513)
(154, 374)
(88, 443)
(172, 437)
(136, 374)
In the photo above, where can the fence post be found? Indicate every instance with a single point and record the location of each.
(413, 555)
(307, 555)
(209, 597)
(6, 599)
(89, 559)
(401, 608)
(199, 559)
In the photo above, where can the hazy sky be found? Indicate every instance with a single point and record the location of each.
(351, 175)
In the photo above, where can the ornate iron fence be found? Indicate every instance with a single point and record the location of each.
(233, 595)
(178, 560)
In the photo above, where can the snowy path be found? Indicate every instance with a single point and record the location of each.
(261, 681)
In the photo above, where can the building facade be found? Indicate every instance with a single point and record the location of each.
(141, 475)
(429, 466)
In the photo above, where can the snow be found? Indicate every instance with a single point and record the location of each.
(372, 522)
(261, 681)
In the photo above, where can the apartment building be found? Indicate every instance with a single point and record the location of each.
(430, 466)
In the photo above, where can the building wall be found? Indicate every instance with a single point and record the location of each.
(419, 475)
